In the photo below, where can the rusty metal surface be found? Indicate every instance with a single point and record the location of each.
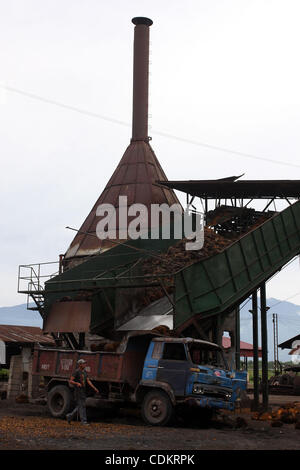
(24, 334)
(123, 365)
(102, 366)
(132, 367)
(68, 317)
(137, 174)
(134, 177)
(111, 366)
(140, 79)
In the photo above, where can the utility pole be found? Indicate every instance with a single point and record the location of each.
(275, 338)
(255, 350)
(264, 346)
(237, 339)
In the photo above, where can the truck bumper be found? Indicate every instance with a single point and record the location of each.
(208, 402)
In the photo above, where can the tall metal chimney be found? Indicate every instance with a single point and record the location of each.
(138, 171)
(140, 78)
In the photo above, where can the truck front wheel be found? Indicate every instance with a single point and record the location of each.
(59, 401)
(157, 409)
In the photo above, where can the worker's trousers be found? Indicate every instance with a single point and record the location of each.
(80, 408)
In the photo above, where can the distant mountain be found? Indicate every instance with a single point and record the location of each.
(19, 315)
(288, 322)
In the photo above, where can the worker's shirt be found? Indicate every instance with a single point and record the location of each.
(80, 376)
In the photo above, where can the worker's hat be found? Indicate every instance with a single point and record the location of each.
(81, 361)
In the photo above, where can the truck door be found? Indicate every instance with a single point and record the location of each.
(173, 367)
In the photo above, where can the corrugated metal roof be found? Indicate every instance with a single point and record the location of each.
(288, 344)
(24, 334)
(229, 188)
(245, 348)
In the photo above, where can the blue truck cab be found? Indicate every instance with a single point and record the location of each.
(187, 371)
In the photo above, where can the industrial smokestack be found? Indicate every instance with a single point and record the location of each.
(140, 78)
(138, 171)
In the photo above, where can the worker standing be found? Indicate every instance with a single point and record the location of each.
(80, 380)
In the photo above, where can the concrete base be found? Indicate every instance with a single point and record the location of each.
(21, 380)
(14, 387)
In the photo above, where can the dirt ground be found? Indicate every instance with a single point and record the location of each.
(31, 427)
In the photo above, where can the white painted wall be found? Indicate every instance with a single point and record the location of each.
(2, 352)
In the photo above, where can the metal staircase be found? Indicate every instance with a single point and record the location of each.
(31, 280)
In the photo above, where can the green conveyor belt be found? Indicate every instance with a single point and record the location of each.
(222, 281)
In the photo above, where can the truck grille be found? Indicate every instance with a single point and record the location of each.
(213, 391)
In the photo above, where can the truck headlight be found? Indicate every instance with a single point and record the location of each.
(197, 388)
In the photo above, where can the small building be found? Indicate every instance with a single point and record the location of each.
(16, 347)
(246, 349)
(294, 345)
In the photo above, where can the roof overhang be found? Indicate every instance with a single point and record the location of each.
(230, 188)
(288, 344)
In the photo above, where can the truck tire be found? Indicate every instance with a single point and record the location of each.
(157, 409)
(59, 401)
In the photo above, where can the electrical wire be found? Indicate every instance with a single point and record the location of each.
(162, 134)
(285, 266)
(223, 149)
(288, 298)
(63, 105)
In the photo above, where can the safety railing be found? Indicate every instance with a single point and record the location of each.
(31, 281)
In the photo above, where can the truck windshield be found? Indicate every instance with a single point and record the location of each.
(207, 355)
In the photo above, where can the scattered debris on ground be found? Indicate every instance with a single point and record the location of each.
(29, 426)
(288, 414)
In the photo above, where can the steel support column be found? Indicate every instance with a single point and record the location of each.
(255, 350)
(81, 341)
(237, 339)
(216, 331)
(264, 345)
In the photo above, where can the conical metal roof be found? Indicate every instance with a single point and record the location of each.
(136, 177)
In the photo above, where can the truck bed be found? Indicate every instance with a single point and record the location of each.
(101, 366)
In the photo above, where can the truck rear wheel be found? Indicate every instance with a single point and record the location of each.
(59, 401)
(157, 409)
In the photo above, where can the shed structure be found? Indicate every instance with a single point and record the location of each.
(19, 343)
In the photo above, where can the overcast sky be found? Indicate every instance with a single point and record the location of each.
(225, 73)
